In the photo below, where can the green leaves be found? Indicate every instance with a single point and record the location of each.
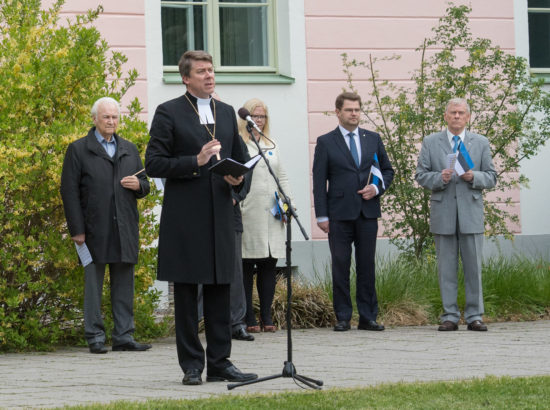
(508, 106)
(50, 74)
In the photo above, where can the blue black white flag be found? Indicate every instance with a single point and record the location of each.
(279, 209)
(463, 161)
(375, 173)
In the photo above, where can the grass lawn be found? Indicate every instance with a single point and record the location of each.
(486, 393)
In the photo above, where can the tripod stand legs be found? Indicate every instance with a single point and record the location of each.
(288, 371)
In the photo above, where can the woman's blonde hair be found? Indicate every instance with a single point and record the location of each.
(251, 105)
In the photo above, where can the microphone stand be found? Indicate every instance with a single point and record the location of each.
(289, 370)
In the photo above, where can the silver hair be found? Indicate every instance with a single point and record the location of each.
(458, 101)
(104, 100)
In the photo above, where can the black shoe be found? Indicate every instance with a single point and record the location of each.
(97, 348)
(192, 377)
(447, 326)
(231, 374)
(478, 326)
(242, 334)
(132, 346)
(370, 325)
(342, 326)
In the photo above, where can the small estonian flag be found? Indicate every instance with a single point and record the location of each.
(279, 209)
(463, 161)
(376, 173)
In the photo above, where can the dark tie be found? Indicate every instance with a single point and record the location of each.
(456, 139)
(353, 148)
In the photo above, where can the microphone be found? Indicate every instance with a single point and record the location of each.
(245, 115)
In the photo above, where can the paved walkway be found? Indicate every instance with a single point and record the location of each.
(355, 358)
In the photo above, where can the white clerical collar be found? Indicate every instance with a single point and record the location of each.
(205, 111)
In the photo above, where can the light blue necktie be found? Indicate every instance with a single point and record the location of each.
(353, 148)
(456, 139)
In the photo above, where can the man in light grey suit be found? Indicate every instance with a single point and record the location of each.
(456, 212)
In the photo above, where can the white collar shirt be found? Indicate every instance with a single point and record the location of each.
(450, 135)
(355, 137)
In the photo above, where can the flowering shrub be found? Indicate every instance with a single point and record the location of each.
(50, 75)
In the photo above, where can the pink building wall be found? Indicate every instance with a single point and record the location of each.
(122, 25)
(357, 27)
(380, 28)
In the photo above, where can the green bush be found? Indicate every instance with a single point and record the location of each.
(50, 74)
(517, 289)
(408, 290)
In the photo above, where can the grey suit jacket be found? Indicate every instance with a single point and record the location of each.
(457, 199)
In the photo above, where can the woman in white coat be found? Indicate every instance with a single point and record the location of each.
(263, 239)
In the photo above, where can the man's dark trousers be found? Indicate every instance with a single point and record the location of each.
(122, 302)
(217, 326)
(362, 233)
(238, 300)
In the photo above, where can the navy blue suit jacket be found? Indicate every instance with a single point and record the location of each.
(334, 164)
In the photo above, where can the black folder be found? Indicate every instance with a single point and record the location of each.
(228, 166)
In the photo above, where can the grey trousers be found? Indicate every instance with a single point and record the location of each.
(447, 248)
(237, 301)
(122, 302)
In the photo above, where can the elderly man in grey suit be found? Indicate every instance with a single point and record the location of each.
(456, 211)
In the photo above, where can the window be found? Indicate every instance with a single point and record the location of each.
(238, 33)
(539, 34)
(183, 28)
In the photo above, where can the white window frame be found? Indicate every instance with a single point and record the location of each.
(539, 10)
(212, 12)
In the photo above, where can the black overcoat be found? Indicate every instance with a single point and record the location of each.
(95, 202)
(197, 235)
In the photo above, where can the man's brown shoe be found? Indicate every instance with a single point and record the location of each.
(447, 326)
(478, 326)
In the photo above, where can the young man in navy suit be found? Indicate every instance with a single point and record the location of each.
(348, 207)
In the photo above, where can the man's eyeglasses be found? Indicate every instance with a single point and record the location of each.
(259, 117)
